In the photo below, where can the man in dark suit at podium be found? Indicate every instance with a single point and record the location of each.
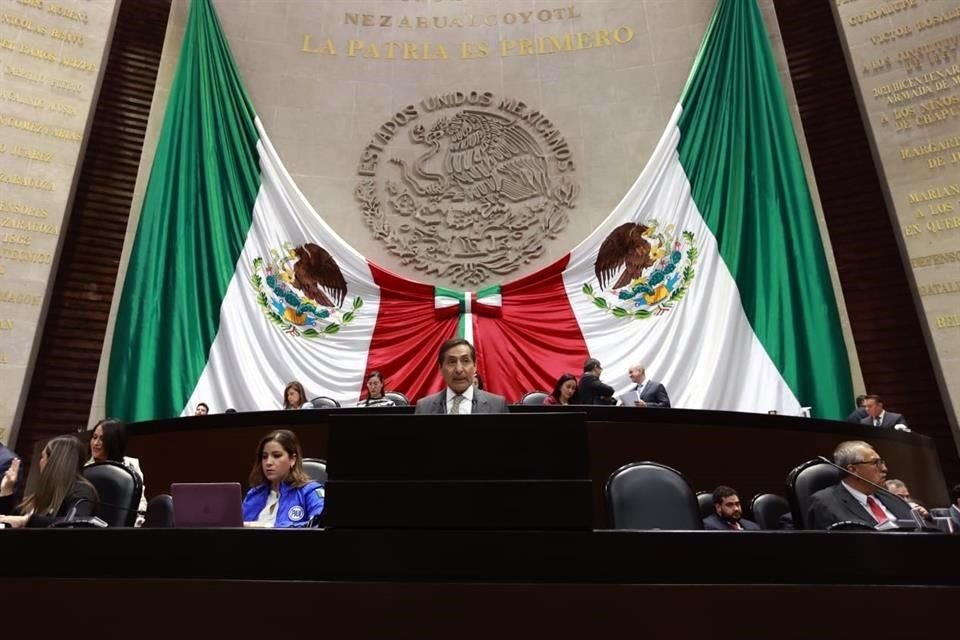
(878, 417)
(591, 390)
(458, 365)
(852, 499)
(645, 392)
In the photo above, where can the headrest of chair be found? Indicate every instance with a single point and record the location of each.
(534, 397)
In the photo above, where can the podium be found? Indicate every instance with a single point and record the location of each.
(484, 471)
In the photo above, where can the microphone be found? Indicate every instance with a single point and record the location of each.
(917, 520)
(71, 518)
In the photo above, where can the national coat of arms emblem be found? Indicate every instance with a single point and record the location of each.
(302, 291)
(642, 270)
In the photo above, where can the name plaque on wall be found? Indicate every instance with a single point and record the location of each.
(904, 58)
(51, 57)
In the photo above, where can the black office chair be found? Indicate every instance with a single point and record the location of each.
(705, 502)
(534, 397)
(119, 490)
(316, 469)
(159, 512)
(803, 482)
(323, 402)
(648, 495)
(398, 398)
(767, 510)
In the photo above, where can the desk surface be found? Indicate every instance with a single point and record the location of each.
(590, 557)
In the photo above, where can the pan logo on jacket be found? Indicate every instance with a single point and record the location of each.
(642, 270)
(466, 187)
(302, 291)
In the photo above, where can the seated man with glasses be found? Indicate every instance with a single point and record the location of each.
(853, 499)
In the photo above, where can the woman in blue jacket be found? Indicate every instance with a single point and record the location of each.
(282, 494)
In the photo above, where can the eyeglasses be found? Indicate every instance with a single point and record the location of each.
(877, 462)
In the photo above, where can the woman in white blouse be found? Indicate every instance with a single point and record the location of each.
(108, 442)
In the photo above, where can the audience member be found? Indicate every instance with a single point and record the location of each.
(294, 397)
(645, 393)
(230, 410)
(108, 442)
(375, 397)
(565, 391)
(853, 499)
(56, 491)
(953, 511)
(458, 363)
(877, 417)
(899, 488)
(729, 513)
(477, 380)
(202, 409)
(281, 494)
(860, 412)
(7, 457)
(591, 390)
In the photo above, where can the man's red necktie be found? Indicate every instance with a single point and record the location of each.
(877, 510)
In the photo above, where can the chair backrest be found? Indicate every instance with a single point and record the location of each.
(159, 512)
(803, 482)
(323, 402)
(398, 398)
(705, 502)
(648, 495)
(316, 469)
(119, 489)
(768, 508)
(534, 397)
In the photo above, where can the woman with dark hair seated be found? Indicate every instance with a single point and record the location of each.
(375, 397)
(295, 397)
(564, 391)
(282, 495)
(108, 442)
(56, 491)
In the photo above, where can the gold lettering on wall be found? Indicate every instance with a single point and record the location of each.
(12, 297)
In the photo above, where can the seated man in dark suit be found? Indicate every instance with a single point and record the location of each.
(859, 413)
(853, 499)
(6, 460)
(953, 511)
(458, 365)
(646, 392)
(877, 417)
(899, 488)
(729, 513)
(591, 390)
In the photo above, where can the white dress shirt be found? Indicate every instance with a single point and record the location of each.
(268, 515)
(862, 499)
(466, 405)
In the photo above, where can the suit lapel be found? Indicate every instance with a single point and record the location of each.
(479, 401)
(854, 508)
(441, 402)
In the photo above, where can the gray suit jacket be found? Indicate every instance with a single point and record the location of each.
(654, 394)
(483, 402)
(835, 504)
(890, 420)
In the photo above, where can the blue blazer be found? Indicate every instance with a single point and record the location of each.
(297, 505)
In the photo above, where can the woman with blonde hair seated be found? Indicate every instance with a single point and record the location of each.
(281, 494)
(56, 489)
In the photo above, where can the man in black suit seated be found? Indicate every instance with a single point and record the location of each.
(899, 488)
(645, 393)
(458, 365)
(860, 412)
(591, 390)
(729, 513)
(953, 511)
(877, 417)
(852, 499)
(6, 460)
